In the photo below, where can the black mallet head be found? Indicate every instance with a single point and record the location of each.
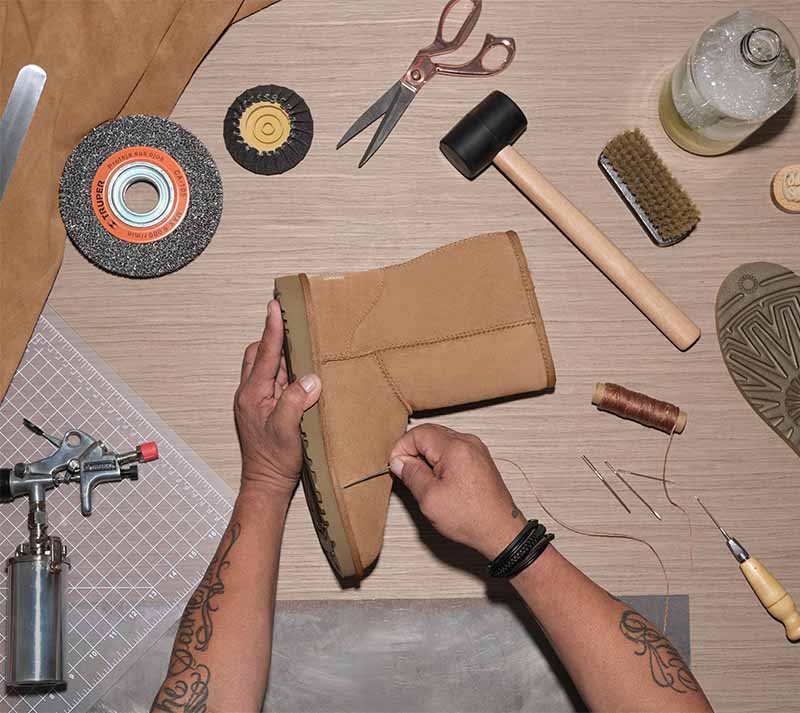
(473, 142)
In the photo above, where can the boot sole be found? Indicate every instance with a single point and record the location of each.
(318, 486)
(758, 327)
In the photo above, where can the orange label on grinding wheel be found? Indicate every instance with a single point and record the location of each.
(116, 225)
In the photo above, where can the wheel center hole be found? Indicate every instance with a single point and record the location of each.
(141, 196)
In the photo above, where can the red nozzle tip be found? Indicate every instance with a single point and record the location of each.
(148, 451)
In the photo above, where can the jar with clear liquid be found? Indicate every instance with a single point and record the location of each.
(742, 70)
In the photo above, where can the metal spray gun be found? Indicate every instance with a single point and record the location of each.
(37, 570)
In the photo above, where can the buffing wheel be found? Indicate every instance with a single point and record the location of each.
(119, 154)
(268, 129)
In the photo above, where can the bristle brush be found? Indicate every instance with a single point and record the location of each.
(658, 201)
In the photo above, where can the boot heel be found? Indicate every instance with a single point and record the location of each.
(318, 486)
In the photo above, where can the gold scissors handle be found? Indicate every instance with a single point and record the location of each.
(442, 46)
(423, 68)
(476, 67)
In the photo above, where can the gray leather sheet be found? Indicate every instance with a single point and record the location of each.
(404, 656)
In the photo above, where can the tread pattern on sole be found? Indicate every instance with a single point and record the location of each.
(758, 327)
(313, 496)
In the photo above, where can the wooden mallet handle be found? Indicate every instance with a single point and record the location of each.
(485, 135)
(606, 256)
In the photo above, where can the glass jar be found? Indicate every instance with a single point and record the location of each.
(742, 70)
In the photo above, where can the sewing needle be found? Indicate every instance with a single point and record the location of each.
(605, 482)
(649, 477)
(370, 476)
(630, 487)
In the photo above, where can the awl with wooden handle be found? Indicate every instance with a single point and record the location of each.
(769, 590)
(484, 136)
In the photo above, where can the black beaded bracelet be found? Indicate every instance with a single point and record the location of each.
(523, 551)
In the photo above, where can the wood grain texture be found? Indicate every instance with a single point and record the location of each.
(584, 71)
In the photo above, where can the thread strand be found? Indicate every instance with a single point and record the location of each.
(587, 533)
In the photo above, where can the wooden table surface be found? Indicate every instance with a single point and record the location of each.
(583, 72)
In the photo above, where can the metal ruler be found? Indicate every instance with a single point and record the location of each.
(138, 557)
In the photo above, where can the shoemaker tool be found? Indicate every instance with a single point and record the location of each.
(396, 100)
(119, 237)
(36, 571)
(605, 482)
(648, 188)
(633, 490)
(17, 117)
(769, 590)
(484, 136)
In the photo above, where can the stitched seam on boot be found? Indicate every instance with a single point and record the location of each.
(527, 282)
(324, 359)
(369, 309)
(441, 248)
(399, 266)
(395, 389)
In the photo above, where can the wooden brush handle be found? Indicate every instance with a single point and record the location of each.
(773, 596)
(606, 256)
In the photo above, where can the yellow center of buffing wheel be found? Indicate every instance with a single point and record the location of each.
(265, 126)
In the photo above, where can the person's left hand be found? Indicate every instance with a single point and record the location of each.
(268, 411)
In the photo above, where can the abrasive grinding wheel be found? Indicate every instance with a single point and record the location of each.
(268, 129)
(127, 241)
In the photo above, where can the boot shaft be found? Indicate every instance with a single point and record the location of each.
(455, 325)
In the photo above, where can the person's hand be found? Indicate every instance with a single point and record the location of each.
(458, 488)
(268, 411)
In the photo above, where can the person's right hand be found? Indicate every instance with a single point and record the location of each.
(458, 488)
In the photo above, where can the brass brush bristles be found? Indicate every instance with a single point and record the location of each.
(664, 209)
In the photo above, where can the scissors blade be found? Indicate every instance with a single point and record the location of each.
(17, 117)
(404, 97)
(378, 109)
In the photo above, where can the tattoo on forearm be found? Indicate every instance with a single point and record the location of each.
(515, 512)
(666, 665)
(186, 687)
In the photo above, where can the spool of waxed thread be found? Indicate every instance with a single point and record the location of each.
(638, 407)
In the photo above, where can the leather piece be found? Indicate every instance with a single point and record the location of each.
(103, 58)
(456, 325)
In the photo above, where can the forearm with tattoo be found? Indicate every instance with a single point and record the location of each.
(186, 688)
(667, 668)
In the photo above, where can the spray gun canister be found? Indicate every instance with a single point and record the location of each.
(36, 573)
(35, 616)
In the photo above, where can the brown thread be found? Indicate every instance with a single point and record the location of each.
(586, 533)
(637, 407)
(675, 505)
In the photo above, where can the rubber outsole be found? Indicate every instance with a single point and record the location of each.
(318, 486)
(758, 327)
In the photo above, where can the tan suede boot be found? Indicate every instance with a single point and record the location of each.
(456, 325)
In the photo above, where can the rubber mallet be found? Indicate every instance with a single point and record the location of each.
(484, 136)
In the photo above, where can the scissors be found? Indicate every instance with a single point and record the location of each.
(396, 100)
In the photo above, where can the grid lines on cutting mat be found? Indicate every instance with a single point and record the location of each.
(147, 543)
